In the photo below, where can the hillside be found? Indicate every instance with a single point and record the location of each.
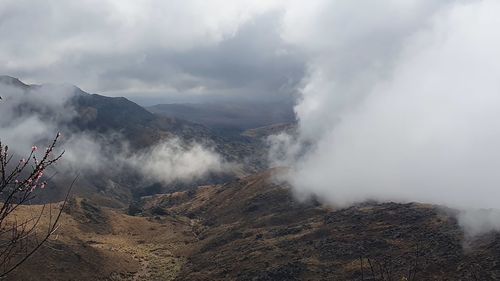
(253, 229)
(97, 243)
(103, 114)
(266, 235)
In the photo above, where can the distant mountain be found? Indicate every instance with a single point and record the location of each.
(101, 114)
(141, 127)
(8, 80)
(230, 116)
(102, 117)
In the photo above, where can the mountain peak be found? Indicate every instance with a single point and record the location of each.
(9, 80)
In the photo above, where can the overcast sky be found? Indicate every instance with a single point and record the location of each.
(152, 51)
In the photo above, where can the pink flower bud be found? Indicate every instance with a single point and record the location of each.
(34, 148)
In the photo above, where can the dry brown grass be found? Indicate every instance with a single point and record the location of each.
(120, 248)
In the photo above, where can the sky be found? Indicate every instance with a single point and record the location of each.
(152, 51)
(396, 100)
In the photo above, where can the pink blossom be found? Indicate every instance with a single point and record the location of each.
(34, 148)
(38, 176)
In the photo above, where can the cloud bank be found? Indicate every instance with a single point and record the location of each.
(174, 160)
(401, 103)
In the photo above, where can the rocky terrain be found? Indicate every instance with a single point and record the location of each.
(253, 229)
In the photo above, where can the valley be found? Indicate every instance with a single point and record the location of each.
(242, 224)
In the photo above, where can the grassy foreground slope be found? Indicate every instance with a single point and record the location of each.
(95, 243)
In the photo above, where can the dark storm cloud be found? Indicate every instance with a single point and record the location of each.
(255, 56)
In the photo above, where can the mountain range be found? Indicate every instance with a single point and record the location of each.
(238, 225)
(113, 121)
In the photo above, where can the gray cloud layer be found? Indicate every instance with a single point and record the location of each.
(152, 51)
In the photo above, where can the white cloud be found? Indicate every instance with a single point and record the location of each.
(401, 104)
(174, 160)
